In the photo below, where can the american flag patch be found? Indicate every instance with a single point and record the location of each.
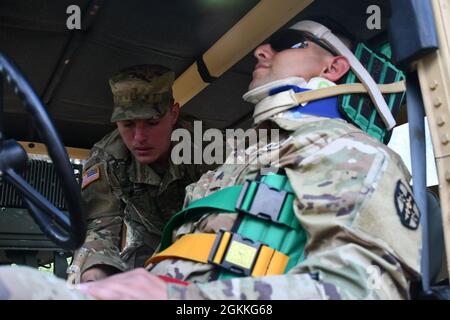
(90, 176)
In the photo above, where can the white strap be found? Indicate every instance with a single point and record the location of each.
(351, 88)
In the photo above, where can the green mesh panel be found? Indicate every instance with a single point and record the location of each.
(358, 108)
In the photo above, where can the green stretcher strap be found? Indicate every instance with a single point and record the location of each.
(269, 199)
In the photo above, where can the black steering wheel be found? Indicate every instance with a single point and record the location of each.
(68, 232)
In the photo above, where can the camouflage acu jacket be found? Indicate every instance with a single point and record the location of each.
(352, 198)
(127, 205)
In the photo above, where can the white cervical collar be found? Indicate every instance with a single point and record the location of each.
(259, 93)
(267, 106)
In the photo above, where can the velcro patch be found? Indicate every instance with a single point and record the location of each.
(91, 175)
(406, 207)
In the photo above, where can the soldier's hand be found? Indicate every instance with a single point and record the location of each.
(94, 274)
(138, 284)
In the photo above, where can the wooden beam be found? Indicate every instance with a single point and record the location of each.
(256, 26)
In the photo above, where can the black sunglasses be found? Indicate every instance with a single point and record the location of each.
(294, 39)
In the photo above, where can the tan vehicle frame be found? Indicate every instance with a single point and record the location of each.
(434, 77)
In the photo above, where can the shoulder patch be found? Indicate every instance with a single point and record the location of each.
(91, 175)
(406, 207)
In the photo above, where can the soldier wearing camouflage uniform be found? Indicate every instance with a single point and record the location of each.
(352, 206)
(127, 200)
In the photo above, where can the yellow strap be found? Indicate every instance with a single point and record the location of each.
(197, 247)
(225, 241)
(194, 247)
(270, 262)
(332, 91)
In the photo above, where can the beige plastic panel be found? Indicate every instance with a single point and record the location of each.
(40, 149)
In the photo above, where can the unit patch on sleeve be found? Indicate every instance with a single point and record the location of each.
(406, 207)
(90, 176)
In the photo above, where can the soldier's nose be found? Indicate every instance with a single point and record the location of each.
(263, 52)
(140, 135)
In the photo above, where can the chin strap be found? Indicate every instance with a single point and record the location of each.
(271, 105)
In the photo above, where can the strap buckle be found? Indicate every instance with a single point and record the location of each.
(234, 253)
(261, 200)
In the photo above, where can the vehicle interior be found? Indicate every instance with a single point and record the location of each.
(55, 101)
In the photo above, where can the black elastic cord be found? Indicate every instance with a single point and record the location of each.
(203, 71)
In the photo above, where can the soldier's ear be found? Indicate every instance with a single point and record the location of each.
(175, 112)
(335, 68)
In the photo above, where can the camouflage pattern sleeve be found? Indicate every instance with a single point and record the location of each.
(364, 239)
(104, 218)
(26, 283)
